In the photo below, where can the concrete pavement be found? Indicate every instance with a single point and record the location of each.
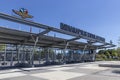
(80, 71)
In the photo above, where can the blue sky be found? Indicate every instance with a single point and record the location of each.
(101, 17)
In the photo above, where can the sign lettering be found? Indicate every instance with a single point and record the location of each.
(80, 32)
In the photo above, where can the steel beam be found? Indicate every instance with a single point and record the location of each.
(73, 39)
(31, 23)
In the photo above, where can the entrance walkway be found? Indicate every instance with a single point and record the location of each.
(80, 71)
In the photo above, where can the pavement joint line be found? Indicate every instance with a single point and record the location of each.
(10, 72)
(12, 75)
(47, 67)
(50, 67)
(29, 69)
(107, 75)
(95, 73)
(59, 76)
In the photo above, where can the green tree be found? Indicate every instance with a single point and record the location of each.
(45, 51)
(101, 52)
(107, 54)
(103, 57)
(2, 47)
(118, 52)
(114, 53)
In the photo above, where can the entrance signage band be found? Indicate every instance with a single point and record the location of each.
(80, 32)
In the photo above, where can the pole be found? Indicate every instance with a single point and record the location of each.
(94, 54)
(64, 52)
(11, 63)
(39, 55)
(5, 55)
(17, 52)
(83, 52)
(32, 55)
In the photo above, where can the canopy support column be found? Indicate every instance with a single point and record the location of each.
(32, 55)
(5, 55)
(17, 51)
(82, 57)
(39, 56)
(94, 54)
(64, 52)
(11, 62)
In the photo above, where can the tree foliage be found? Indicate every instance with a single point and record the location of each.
(2, 47)
(110, 54)
(43, 53)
